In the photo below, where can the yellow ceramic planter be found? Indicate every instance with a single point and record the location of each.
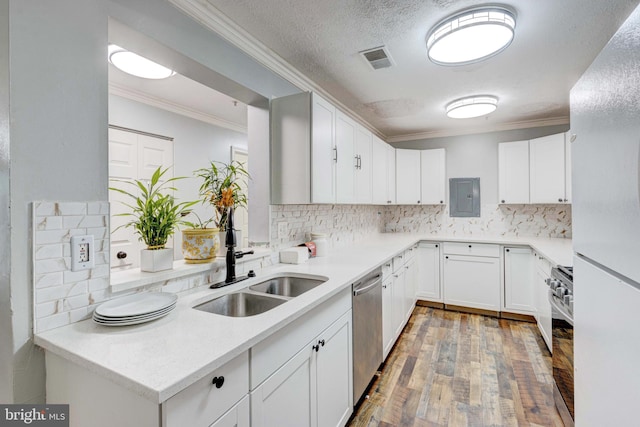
(200, 245)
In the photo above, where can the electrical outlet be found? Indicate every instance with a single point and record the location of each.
(282, 230)
(82, 253)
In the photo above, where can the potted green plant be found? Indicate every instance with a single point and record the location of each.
(155, 214)
(220, 188)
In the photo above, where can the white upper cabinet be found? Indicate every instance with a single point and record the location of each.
(323, 151)
(513, 171)
(379, 172)
(391, 174)
(407, 177)
(547, 169)
(363, 167)
(433, 176)
(346, 161)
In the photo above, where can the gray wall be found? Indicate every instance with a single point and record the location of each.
(6, 336)
(195, 144)
(58, 111)
(470, 156)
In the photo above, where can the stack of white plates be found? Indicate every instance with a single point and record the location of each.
(135, 309)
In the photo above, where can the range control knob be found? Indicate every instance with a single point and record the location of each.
(568, 299)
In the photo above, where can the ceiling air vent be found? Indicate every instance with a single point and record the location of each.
(378, 57)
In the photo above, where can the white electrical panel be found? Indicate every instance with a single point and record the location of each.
(82, 253)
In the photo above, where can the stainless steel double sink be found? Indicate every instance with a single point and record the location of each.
(262, 296)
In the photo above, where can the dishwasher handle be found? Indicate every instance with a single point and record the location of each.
(375, 281)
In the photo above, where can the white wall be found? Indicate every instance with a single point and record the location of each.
(6, 353)
(470, 156)
(195, 144)
(58, 112)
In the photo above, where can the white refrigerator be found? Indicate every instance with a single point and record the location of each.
(605, 118)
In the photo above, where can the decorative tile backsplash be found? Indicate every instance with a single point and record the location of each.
(343, 224)
(62, 296)
(501, 220)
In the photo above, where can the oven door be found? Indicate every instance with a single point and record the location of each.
(562, 332)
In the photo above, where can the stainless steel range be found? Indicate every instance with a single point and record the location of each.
(561, 300)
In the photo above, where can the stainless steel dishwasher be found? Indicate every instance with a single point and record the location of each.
(367, 331)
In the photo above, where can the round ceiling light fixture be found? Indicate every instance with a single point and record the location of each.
(472, 106)
(471, 36)
(136, 65)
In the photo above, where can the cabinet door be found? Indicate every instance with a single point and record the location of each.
(547, 169)
(334, 374)
(379, 172)
(407, 177)
(513, 171)
(409, 287)
(238, 416)
(363, 166)
(471, 281)
(391, 175)
(543, 307)
(433, 176)
(398, 301)
(346, 162)
(288, 397)
(387, 316)
(428, 263)
(323, 151)
(518, 285)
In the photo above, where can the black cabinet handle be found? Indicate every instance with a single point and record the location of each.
(436, 246)
(560, 200)
(121, 255)
(502, 201)
(441, 201)
(218, 381)
(446, 257)
(316, 347)
(418, 201)
(507, 250)
(321, 342)
(469, 245)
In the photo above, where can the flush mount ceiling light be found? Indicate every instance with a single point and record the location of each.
(471, 36)
(136, 65)
(472, 106)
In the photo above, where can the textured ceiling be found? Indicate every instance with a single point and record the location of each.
(555, 41)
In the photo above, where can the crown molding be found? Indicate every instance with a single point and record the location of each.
(213, 19)
(154, 101)
(525, 124)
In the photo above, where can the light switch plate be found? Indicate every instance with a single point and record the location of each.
(82, 253)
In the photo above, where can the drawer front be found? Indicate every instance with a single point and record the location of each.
(387, 268)
(398, 262)
(542, 264)
(203, 402)
(475, 249)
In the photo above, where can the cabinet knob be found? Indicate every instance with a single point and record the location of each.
(121, 255)
(418, 201)
(441, 201)
(316, 347)
(446, 257)
(560, 199)
(469, 245)
(436, 246)
(507, 250)
(218, 381)
(321, 342)
(502, 201)
(566, 200)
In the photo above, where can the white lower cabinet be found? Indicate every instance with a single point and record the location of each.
(314, 388)
(428, 285)
(388, 336)
(398, 301)
(541, 290)
(472, 275)
(518, 280)
(238, 416)
(410, 278)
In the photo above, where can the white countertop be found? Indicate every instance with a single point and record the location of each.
(161, 358)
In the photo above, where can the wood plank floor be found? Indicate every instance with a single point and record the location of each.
(456, 369)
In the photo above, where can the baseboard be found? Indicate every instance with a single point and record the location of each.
(501, 314)
(423, 303)
(516, 316)
(472, 310)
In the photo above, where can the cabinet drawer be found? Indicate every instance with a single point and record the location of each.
(542, 264)
(203, 402)
(387, 267)
(475, 249)
(398, 262)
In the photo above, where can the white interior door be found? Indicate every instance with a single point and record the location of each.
(132, 156)
(241, 216)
